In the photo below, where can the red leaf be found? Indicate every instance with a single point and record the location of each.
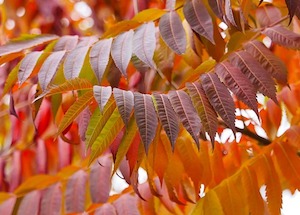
(100, 176)
(186, 112)
(219, 97)
(268, 60)
(144, 43)
(75, 192)
(51, 200)
(49, 68)
(99, 57)
(124, 100)
(283, 37)
(121, 50)
(30, 203)
(74, 62)
(102, 95)
(206, 112)
(106, 209)
(238, 83)
(167, 116)
(199, 19)
(67, 43)
(172, 32)
(27, 65)
(257, 75)
(126, 205)
(146, 118)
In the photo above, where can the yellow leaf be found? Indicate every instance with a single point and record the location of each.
(210, 204)
(148, 15)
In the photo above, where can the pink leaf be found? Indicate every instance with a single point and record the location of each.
(7, 206)
(49, 68)
(121, 50)
(66, 43)
(146, 118)
(51, 200)
(124, 100)
(30, 203)
(99, 57)
(172, 32)
(126, 205)
(106, 209)
(102, 95)
(186, 112)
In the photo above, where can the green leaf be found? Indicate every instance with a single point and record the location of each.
(107, 135)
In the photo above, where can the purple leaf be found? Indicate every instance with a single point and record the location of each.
(125, 101)
(102, 95)
(66, 43)
(51, 200)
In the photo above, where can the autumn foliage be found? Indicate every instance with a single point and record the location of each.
(193, 92)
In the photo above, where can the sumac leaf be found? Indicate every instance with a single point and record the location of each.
(216, 6)
(208, 116)
(186, 112)
(106, 209)
(51, 200)
(146, 118)
(22, 44)
(74, 62)
(172, 32)
(228, 12)
(75, 192)
(83, 122)
(27, 65)
(100, 176)
(67, 43)
(121, 50)
(49, 68)
(99, 57)
(125, 101)
(102, 95)
(126, 204)
(238, 83)
(268, 60)
(220, 98)
(292, 6)
(30, 203)
(257, 75)
(167, 117)
(283, 36)
(144, 43)
(199, 19)
(267, 15)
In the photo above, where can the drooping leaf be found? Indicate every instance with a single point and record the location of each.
(267, 15)
(107, 135)
(22, 44)
(167, 117)
(97, 122)
(199, 19)
(206, 112)
(126, 204)
(257, 75)
(12, 110)
(100, 179)
(74, 62)
(128, 138)
(219, 97)
(99, 57)
(49, 68)
(83, 120)
(7, 205)
(172, 32)
(87, 41)
(27, 65)
(69, 85)
(125, 101)
(292, 6)
(268, 60)
(148, 15)
(144, 43)
(106, 208)
(66, 43)
(29, 204)
(283, 37)
(209, 204)
(238, 83)
(228, 12)
(51, 200)
(170, 4)
(75, 192)
(102, 95)
(216, 6)
(121, 50)
(186, 112)
(78, 106)
(146, 118)
(121, 27)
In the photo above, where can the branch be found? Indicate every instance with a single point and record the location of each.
(262, 141)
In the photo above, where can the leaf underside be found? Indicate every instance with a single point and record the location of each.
(124, 100)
